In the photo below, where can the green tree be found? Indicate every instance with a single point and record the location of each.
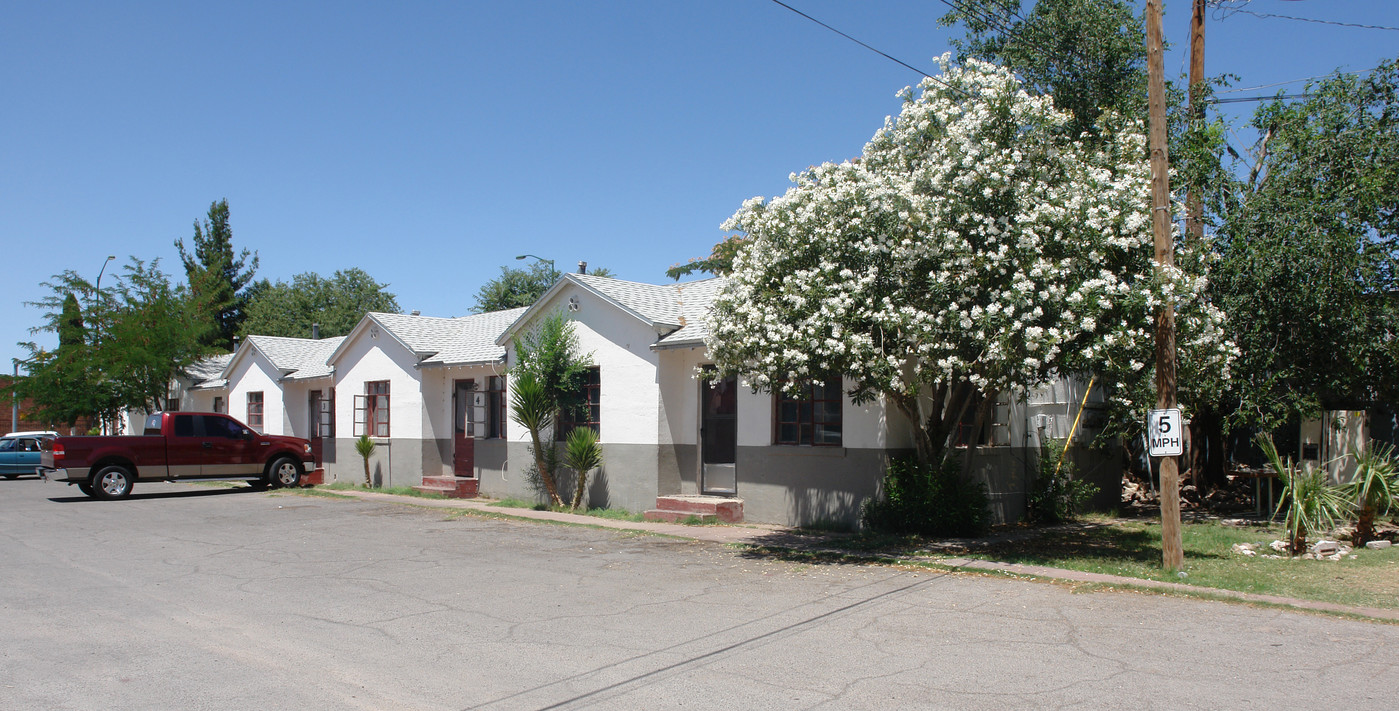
(1090, 55)
(971, 250)
(218, 277)
(59, 382)
(1309, 252)
(720, 261)
(336, 303)
(516, 287)
(546, 382)
(120, 351)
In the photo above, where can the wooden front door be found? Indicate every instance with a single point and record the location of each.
(321, 412)
(718, 436)
(463, 428)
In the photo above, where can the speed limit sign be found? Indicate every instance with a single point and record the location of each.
(1163, 433)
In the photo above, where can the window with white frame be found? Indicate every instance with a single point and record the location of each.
(255, 410)
(372, 410)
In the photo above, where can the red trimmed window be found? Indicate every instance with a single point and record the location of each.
(811, 417)
(377, 408)
(588, 413)
(495, 407)
(255, 410)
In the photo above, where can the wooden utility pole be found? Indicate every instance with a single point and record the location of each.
(1194, 204)
(1171, 554)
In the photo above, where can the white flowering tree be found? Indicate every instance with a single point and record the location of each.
(973, 248)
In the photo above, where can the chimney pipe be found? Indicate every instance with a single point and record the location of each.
(315, 332)
(582, 267)
(416, 312)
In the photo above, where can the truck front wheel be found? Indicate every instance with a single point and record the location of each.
(112, 482)
(284, 471)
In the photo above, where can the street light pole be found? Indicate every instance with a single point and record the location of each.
(552, 271)
(14, 398)
(97, 287)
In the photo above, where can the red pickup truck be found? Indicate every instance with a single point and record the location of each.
(176, 446)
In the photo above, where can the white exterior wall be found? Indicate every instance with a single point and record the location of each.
(252, 373)
(296, 403)
(367, 360)
(203, 400)
(863, 426)
(620, 345)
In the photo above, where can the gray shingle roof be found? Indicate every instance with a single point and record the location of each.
(297, 358)
(208, 372)
(657, 303)
(696, 298)
(451, 341)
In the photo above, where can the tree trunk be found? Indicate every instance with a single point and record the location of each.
(578, 494)
(544, 474)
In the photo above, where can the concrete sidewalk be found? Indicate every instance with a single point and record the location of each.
(780, 537)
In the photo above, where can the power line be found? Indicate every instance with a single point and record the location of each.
(1226, 8)
(1241, 99)
(881, 53)
(1295, 81)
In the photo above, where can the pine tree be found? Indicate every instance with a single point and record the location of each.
(218, 280)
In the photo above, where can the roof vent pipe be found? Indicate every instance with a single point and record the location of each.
(235, 343)
(315, 332)
(582, 267)
(416, 312)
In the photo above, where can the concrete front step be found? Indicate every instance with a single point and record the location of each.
(452, 487)
(674, 516)
(705, 508)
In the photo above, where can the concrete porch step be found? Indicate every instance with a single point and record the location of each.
(704, 508)
(452, 487)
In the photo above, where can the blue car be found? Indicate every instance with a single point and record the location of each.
(19, 452)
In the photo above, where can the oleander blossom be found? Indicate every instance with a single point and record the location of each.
(970, 243)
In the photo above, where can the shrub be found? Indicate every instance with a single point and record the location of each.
(1374, 491)
(927, 499)
(1056, 495)
(1313, 505)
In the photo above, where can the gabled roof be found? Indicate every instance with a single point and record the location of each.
(207, 373)
(294, 358)
(440, 341)
(660, 306)
(696, 300)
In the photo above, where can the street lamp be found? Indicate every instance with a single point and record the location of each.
(552, 271)
(97, 287)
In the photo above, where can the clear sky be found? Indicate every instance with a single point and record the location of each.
(431, 143)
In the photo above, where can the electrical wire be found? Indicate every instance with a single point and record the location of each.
(1320, 22)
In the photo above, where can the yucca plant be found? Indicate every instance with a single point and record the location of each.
(1373, 491)
(532, 408)
(582, 454)
(365, 447)
(1313, 505)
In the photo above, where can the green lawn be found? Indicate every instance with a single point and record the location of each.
(1133, 548)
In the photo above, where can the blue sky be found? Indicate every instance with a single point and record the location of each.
(430, 143)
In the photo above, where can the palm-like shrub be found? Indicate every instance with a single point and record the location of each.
(365, 448)
(582, 454)
(1373, 491)
(532, 408)
(1313, 505)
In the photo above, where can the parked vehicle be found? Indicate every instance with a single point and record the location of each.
(176, 446)
(19, 452)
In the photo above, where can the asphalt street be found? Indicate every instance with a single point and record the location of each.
(199, 597)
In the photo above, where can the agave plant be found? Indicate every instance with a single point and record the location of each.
(582, 454)
(365, 447)
(1374, 490)
(1313, 504)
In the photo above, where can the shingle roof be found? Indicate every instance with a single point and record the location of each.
(696, 298)
(297, 358)
(451, 341)
(657, 303)
(208, 372)
(474, 340)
